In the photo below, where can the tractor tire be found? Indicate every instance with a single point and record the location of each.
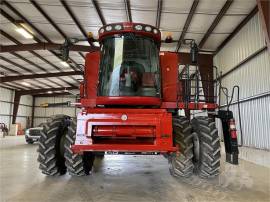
(77, 164)
(181, 164)
(50, 150)
(207, 157)
(99, 155)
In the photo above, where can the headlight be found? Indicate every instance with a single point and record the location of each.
(108, 28)
(155, 31)
(27, 132)
(148, 29)
(117, 27)
(138, 27)
(101, 31)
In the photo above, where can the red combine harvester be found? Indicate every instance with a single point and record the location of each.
(138, 100)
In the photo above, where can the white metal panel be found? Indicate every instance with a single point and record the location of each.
(41, 113)
(241, 6)
(255, 122)
(27, 100)
(4, 108)
(250, 39)
(252, 77)
(5, 94)
(38, 121)
(176, 6)
(5, 120)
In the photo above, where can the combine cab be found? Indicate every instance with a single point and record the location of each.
(136, 99)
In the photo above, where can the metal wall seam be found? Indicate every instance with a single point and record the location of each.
(253, 79)
(255, 115)
(249, 40)
(42, 112)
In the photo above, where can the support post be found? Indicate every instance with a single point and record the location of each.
(17, 99)
(33, 111)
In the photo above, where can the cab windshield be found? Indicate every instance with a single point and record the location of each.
(129, 66)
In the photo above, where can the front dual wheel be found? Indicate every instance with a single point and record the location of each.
(54, 153)
(199, 148)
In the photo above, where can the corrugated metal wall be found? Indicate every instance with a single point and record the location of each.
(6, 99)
(253, 77)
(6, 107)
(41, 114)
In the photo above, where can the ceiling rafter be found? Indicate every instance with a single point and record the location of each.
(128, 10)
(35, 54)
(99, 12)
(37, 91)
(36, 30)
(216, 21)
(22, 67)
(8, 69)
(159, 11)
(187, 24)
(53, 94)
(77, 22)
(238, 28)
(32, 76)
(39, 32)
(13, 86)
(49, 19)
(44, 46)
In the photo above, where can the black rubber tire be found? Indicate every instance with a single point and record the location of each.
(99, 155)
(51, 159)
(181, 164)
(207, 161)
(30, 141)
(77, 164)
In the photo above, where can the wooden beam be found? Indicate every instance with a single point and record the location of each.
(238, 28)
(187, 23)
(35, 76)
(100, 14)
(264, 11)
(128, 10)
(216, 22)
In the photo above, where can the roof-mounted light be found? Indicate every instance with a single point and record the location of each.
(118, 27)
(101, 31)
(108, 28)
(138, 27)
(148, 29)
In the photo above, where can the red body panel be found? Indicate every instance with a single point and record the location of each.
(91, 74)
(100, 128)
(140, 130)
(169, 74)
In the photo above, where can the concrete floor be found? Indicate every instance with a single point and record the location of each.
(123, 178)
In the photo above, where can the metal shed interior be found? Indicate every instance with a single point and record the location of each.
(233, 35)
